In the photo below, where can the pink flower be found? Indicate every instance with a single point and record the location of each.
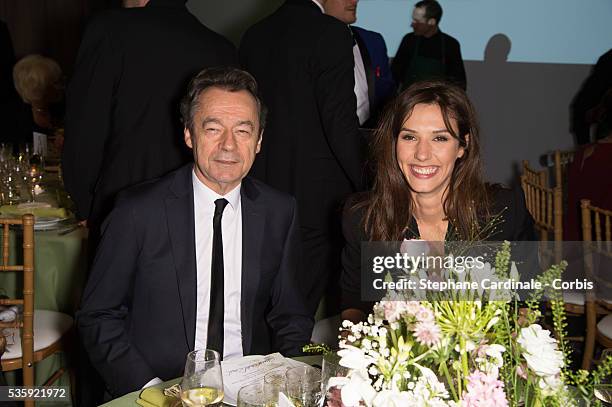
(412, 307)
(427, 333)
(484, 391)
(393, 310)
(424, 314)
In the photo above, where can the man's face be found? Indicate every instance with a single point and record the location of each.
(225, 138)
(343, 10)
(419, 22)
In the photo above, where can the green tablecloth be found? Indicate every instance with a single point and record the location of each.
(60, 264)
(129, 400)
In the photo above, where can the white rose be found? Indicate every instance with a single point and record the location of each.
(540, 351)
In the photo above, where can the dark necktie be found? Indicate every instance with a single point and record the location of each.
(216, 310)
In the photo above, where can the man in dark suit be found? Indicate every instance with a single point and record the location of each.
(374, 85)
(303, 62)
(122, 120)
(200, 258)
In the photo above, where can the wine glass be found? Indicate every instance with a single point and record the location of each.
(202, 383)
(603, 391)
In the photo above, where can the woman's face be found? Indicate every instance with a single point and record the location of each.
(426, 150)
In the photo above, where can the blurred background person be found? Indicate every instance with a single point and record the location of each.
(427, 52)
(303, 62)
(122, 118)
(585, 105)
(374, 85)
(40, 84)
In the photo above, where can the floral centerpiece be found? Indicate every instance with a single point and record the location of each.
(483, 349)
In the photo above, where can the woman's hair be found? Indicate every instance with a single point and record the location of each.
(389, 207)
(38, 79)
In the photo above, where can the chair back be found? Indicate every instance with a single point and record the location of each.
(545, 206)
(26, 323)
(596, 238)
(562, 159)
(536, 177)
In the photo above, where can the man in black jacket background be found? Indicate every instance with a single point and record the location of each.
(303, 62)
(122, 119)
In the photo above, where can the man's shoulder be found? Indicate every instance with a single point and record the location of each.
(369, 34)
(296, 18)
(449, 39)
(151, 192)
(269, 195)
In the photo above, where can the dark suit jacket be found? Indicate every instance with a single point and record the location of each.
(381, 86)
(138, 315)
(122, 121)
(303, 62)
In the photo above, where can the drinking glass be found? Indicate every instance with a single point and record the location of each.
(202, 383)
(274, 383)
(333, 377)
(254, 395)
(304, 386)
(603, 390)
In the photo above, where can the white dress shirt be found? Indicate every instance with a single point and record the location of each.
(361, 87)
(231, 226)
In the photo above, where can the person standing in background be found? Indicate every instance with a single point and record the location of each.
(374, 85)
(303, 62)
(122, 119)
(427, 52)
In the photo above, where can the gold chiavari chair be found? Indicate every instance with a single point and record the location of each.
(562, 159)
(534, 176)
(37, 334)
(546, 208)
(597, 239)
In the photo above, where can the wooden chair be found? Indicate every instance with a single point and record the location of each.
(545, 206)
(37, 334)
(597, 239)
(536, 177)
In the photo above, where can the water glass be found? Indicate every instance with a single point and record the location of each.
(333, 377)
(254, 395)
(202, 383)
(304, 386)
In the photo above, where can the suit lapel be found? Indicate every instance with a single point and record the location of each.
(179, 212)
(253, 217)
(369, 69)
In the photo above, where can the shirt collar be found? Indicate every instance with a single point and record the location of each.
(319, 5)
(203, 193)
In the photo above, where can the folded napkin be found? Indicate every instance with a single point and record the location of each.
(154, 397)
(8, 314)
(17, 211)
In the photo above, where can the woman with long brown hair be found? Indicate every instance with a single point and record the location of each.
(428, 184)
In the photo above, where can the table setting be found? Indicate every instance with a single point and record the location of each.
(30, 182)
(249, 381)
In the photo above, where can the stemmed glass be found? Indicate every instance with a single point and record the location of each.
(202, 383)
